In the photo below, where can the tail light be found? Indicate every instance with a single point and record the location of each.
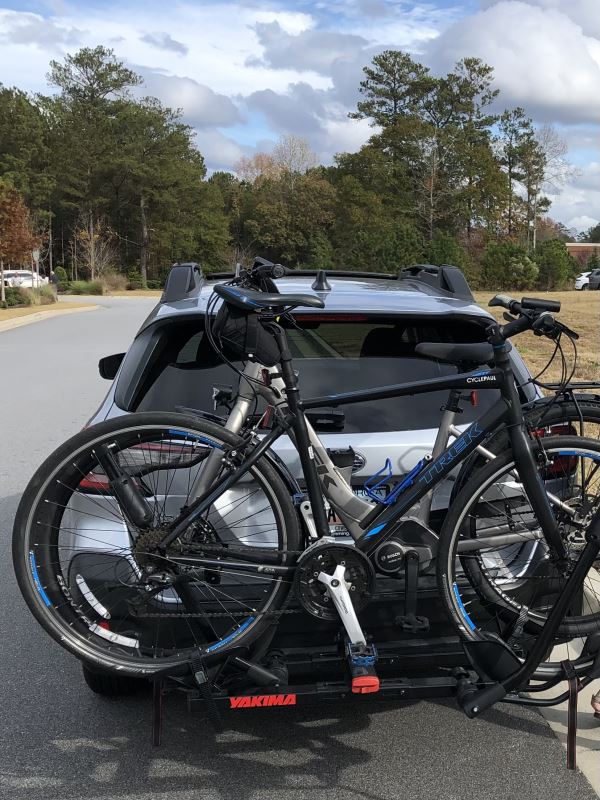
(561, 465)
(97, 482)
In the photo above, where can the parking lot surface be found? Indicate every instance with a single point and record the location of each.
(58, 740)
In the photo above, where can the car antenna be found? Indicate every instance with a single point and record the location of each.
(321, 284)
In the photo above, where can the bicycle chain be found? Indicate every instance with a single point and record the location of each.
(221, 614)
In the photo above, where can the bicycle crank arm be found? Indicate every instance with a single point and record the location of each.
(338, 591)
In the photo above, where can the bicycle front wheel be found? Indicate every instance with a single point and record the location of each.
(101, 587)
(495, 571)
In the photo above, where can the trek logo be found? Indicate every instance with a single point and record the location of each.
(263, 701)
(470, 436)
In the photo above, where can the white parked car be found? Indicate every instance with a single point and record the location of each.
(23, 279)
(582, 281)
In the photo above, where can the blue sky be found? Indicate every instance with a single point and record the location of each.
(244, 73)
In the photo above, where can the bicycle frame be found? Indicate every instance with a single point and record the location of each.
(371, 524)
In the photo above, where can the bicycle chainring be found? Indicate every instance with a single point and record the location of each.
(325, 556)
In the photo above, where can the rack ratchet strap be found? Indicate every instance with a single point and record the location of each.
(202, 679)
(574, 686)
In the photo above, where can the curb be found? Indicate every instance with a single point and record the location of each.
(28, 319)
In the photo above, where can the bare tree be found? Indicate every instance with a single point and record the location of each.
(293, 154)
(94, 246)
(256, 167)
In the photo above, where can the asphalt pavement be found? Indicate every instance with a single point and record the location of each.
(58, 740)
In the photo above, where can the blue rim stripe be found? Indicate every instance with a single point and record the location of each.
(231, 636)
(462, 608)
(187, 435)
(579, 455)
(36, 578)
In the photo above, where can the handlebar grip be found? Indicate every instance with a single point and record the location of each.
(507, 302)
(475, 703)
(501, 300)
(535, 304)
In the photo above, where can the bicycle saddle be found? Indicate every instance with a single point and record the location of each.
(475, 354)
(249, 300)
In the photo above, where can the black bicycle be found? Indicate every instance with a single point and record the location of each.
(153, 538)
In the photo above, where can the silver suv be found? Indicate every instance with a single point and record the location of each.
(365, 337)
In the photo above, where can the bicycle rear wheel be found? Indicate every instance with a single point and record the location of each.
(495, 572)
(100, 587)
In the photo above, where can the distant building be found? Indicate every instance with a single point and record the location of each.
(582, 251)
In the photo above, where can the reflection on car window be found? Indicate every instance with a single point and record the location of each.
(330, 357)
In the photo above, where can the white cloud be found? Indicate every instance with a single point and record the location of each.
(579, 201)
(23, 28)
(219, 151)
(202, 108)
(165, 42)
(542, 59)
(308, 50)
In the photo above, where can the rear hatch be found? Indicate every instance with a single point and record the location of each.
(172, 365)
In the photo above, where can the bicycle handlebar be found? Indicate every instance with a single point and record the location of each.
(532, 314)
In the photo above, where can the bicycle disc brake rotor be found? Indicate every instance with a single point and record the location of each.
(325, 557)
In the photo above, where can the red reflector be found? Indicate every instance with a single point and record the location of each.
(365, 684)
(94, 482)
(104, 624)
(474, 399)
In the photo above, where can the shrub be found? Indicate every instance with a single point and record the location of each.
(64, 283)
(593, 262)
(506, 266)
(114, 281)
(557, 266)
(154, 284)
(17, 297)
(134, 280)
(87, 287)
(45, 295)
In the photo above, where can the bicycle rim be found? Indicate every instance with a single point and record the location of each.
(110, 599)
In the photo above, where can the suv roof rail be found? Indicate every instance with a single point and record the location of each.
(183, 281)
(309, 273)
(446, 279)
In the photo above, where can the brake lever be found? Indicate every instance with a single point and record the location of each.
(568, 331)
(509, 317)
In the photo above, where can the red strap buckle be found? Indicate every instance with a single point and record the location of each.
(365, 684)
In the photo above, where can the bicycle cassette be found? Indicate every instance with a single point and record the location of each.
(324, 556)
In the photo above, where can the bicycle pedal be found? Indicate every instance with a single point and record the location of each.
(412, 624)
(361, 660)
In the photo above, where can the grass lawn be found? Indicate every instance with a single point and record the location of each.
(26, 311)
(135, 293)
(581, 312)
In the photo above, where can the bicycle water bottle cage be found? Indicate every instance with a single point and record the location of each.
(381, 478)
(375, 482)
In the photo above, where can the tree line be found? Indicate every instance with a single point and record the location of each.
(111, 182)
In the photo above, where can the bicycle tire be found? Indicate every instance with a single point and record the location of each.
(41, 587)
(488, 591)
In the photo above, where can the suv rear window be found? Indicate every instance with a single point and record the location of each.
(344, 353)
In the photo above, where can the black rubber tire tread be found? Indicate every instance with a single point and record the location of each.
(459, 504)
(31, 496)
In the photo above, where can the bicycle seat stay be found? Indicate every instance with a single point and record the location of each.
(250, 300)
